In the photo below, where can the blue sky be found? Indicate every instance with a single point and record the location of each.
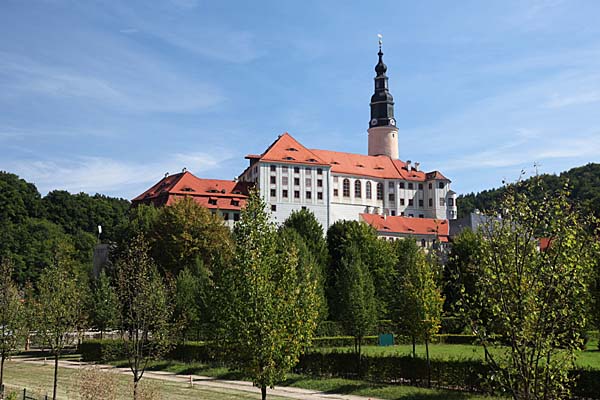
(107, 96)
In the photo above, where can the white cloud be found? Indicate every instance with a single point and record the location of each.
(106, 175)
(558, 101)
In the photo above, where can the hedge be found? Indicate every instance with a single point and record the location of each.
(112, 350)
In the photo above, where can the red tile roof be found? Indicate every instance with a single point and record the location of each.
(408, 225)
(211, 193)
(286, 149)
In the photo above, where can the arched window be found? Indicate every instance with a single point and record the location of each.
(346, 188)
(380, 191)
(357, 189)
(368, 190)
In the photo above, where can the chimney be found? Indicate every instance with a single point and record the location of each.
(408, 165)
(417, 166)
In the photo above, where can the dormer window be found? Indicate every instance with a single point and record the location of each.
(288, 158)
(212, 202)
(235, 202)
(292, 149)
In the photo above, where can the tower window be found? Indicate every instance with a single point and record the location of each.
(401, 185)
(380, 191)
(346, 188)
(430, 185)
(442, 202)
(357, 189)
(441, 185)
(450, 202)
(368, 190)
(391, 185)
(410, 186)
(391, 196)
(420, 186)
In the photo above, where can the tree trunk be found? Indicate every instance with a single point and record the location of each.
(2, 370)
(55, 376)
(135, 387)
(101, 333)
(428, 363)
(414, 343)
(263, 392)
(359, 357)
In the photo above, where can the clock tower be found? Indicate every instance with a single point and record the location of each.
(383, 134)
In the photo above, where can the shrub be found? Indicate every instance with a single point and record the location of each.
(342, 341)
(455, 339)
(96, 384)
(103, 350)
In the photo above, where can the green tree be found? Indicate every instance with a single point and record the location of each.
(305, 223)
(269, 305)
(58, 308)
(18, 199)
(534, 300)
(144, 308)
(191, 299)
(12, 317)
(358, 310)
(104, 305)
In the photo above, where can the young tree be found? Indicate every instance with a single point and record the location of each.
(58, 308)
(269, 305)
(11, 315)
(533, 299)
(358, 310)
(191, 299)
(420, 301)
(144, 308)
(104, 305)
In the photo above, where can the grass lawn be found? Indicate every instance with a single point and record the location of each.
(589, 358)
(38, 378)
(330, 385)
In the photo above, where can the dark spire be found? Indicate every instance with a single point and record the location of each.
(382, 102)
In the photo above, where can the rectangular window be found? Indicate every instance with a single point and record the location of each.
(284, 169)
(411, 215)
(402, 213)
(391, 185)
(236, 216)
(212, 202)
(296, 170)
(319, 182)
(284, 193)
(401, 185)
(320, 195)
(273, 192)
(297, 181)
(401, 202)
(430, 185)
(319, 171)
(273, 207)
(335, 192)
(430, 202)
(441, 185)
(309, 195)
(284, 180)
(226, 216)
(391, 196)
(380, 191)
(273, 180)
(393, 213)
(421, 216)
(420, 202)
(335, 179)
(442, 202)
(420, 186)
(296, 194)
(308, 181)
(410, 186)
(273, 168)
(450, 202)
(410, 202)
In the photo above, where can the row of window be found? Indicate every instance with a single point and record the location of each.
(284, 169)
(226, 215)
(307, 181)
(307, 194)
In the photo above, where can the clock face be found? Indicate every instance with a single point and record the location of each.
(393, 122)
(374, 121)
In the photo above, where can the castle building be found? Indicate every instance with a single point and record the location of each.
(394, 196)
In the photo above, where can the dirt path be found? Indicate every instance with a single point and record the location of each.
(205, 381)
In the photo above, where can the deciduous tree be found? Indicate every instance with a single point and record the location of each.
(269, 305)
(12, 315)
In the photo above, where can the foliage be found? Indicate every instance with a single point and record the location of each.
(191, 299)
(584, 183)
(184, 232)
(12, 317)
(376, 254)
(104, 305)
(18, 199)
(534, 300)
(356, 292)
(144, 308)
(268, 303)
(59, 304)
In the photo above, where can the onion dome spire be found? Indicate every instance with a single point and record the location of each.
(382, 102)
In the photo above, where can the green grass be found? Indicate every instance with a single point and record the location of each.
(38, 380)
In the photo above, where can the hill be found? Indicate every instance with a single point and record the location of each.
(584, 184)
